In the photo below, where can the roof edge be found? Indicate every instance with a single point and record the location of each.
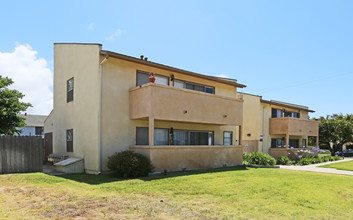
(286, 105)
(173, 69)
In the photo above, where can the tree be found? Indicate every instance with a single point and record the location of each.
(10, 107)
(336, 128)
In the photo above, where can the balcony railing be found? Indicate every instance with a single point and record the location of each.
(294, 126)
(183, 105)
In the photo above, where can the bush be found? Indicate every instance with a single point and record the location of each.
(129, 164)
(284, 160)
(337, 157)
(258, 158)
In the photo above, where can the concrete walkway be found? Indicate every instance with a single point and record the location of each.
(315, 168)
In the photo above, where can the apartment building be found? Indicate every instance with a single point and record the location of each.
(104, 103)
(274, 127)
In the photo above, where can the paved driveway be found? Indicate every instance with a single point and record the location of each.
(315, 168)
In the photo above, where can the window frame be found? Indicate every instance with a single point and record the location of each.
(147, 73)
(41, 130)
(170, 137)
(72, 91)
(70, 143)
(231, 137)
(195, 84)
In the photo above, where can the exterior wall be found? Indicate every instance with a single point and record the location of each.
(256, 122)
(294, 126)
(153, 100)
(251, 129)
(80, 61)
(267, 114)
(118, 130)
(174, 158)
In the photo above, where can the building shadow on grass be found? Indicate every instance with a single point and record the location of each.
(108, 178)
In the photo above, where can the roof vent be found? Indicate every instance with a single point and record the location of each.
(141, 57)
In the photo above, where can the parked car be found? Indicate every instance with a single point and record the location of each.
(345, 153)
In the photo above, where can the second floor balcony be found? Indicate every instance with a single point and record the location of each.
(294, 126)
(175, 104)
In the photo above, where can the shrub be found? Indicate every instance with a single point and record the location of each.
(129, 164)
(258, 158)
(337, 157)
(284, 160)
(304, 161)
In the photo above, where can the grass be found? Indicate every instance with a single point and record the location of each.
(348, 165)
(227, 193)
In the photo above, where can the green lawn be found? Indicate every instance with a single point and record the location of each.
(229, 193)
(348, 165)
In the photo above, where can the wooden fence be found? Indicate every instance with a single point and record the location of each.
(21, 154)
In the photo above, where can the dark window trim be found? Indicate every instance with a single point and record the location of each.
(196, 84)
(41, 130)
(67, 89)
(169, 141)
(137, 71)
(72, 141)
(231, 137)
(284, 112)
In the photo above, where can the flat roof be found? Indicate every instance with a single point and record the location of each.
(227, 81)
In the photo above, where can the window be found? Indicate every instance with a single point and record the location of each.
(228, 138)
(194, 86)
(143, 78)
(294, 143)
(70, 90)
(180, 137)
(164, 136)
(278, 142)
(160, 136)
(69, 140)
(278, 113)
(39, 130)
(281, 142)
(142, 136)
(196, 137)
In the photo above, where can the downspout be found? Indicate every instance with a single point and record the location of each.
(100, 116)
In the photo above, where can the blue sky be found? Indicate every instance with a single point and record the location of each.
(294, 51)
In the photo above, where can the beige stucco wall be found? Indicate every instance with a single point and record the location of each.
(251, 121)
(256, 121)
(174, 104)
(118, 131)
(175, 158)
(267, 112)
(80, 61)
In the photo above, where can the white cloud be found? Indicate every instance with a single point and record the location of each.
(31, 76)
(91, 26)
(116, 34)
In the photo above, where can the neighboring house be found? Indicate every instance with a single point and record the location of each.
(34, 125)
(104, 103)
(269, 125)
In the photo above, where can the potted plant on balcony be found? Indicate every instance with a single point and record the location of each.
(151, 77)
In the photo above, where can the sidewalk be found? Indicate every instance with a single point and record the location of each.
(316, 168)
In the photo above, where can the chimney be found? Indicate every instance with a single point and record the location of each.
(141, 57)
(25, 113)
(146, 58)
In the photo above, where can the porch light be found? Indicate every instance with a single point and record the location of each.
(224, 116)
(172, 77)
(185, 111)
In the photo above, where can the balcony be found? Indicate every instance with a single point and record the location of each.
(174, 104)
(294, 126)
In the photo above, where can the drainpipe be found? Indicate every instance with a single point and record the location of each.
(100, 116)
